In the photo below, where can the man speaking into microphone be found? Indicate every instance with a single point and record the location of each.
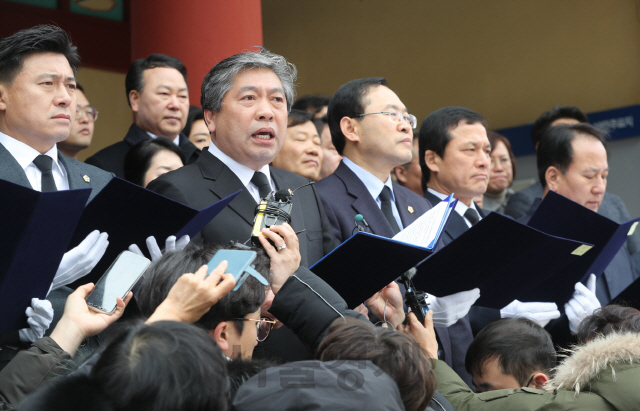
(373, 130)
(246, 99)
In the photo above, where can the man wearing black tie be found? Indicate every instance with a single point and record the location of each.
(371, 128)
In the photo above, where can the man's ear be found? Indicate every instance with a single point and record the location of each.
(219, 335)
(350, 128)
(134, 100)
(432, 160)
(552, 176)
(209, 117)
(539, 380)
(401, 174)
(3, 97)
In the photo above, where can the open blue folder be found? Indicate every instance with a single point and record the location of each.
(500, 256)
(365, 263)
(35, 232)
(557, 215)
(130, 214)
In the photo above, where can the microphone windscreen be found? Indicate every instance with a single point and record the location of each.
(359, 218)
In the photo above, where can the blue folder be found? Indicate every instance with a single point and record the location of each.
(500, 256)
(35, 232)
(365, 263)
(130, 214)
(560, 216)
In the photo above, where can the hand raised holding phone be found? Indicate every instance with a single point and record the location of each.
(193, 295)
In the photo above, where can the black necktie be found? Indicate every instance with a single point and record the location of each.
(385, 205)
(262, 182)
(472, 216)
(44, 164)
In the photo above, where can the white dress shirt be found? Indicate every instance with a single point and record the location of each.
(461, 207)
(374, 186)
(25, 155)
(176, 140)
(243, 172)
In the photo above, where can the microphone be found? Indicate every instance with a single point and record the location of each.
(274, 209)
(360, 219)
(416, 300)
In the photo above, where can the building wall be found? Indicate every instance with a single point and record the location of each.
(509, 60)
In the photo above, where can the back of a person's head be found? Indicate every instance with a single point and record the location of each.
(166, 271)
(543, 123)
(397, 354)
(521, 347)
(607, 320)
(312, 103)
(163, 366)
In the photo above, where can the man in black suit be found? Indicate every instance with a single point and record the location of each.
(37, 107)
(246, 99)
(371, 128)
(455, 155)
(159, 98)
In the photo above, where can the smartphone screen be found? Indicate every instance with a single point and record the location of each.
(238, 261)
(117, 281)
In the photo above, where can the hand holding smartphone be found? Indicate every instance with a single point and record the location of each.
(239, 265)
(117, 281)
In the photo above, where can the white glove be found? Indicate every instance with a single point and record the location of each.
(540, 313)
(40, 317)
(80, 261)
(448, 310)
(582, 304)
(170, 244)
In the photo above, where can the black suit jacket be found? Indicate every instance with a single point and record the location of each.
(111, 158)
(344, 195)
(208, 180)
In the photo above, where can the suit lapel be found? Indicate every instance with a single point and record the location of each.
(456, 225)
(11, 170)
(74, 176)
(402, 203)
(363, 203)
(282, 181)
(224, 182)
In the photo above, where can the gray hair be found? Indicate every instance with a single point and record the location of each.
(219, 80)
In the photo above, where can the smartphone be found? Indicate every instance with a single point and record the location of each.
(117, 281)
(239, 261)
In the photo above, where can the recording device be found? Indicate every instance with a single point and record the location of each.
(274, 209)
(416, 300)
(239, 265)
(117, 281)
(360, 219)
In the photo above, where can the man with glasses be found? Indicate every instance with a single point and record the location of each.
(82, 127)
(371, 128)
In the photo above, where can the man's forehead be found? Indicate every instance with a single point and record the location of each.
(459, 132)
(47, 65)
(250, 75)
(160, 73)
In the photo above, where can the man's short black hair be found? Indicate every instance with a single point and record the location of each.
(166, 271)
(312, 103)
(135, 79)
(43, 38)
(543, 122)
(435, 133)
(555, 148)
(297, 117)
(609, 319)
(349, 101)
(521, 346)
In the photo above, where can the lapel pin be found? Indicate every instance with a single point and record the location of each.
(410, 209)
(88, 180)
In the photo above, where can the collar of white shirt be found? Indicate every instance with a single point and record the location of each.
(176, 140)
(373, 183)
(461, 207)
(25, 154)
(243, 172)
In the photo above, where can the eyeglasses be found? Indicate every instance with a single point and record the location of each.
(396, 117)
(263, 326)
(92, 113)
